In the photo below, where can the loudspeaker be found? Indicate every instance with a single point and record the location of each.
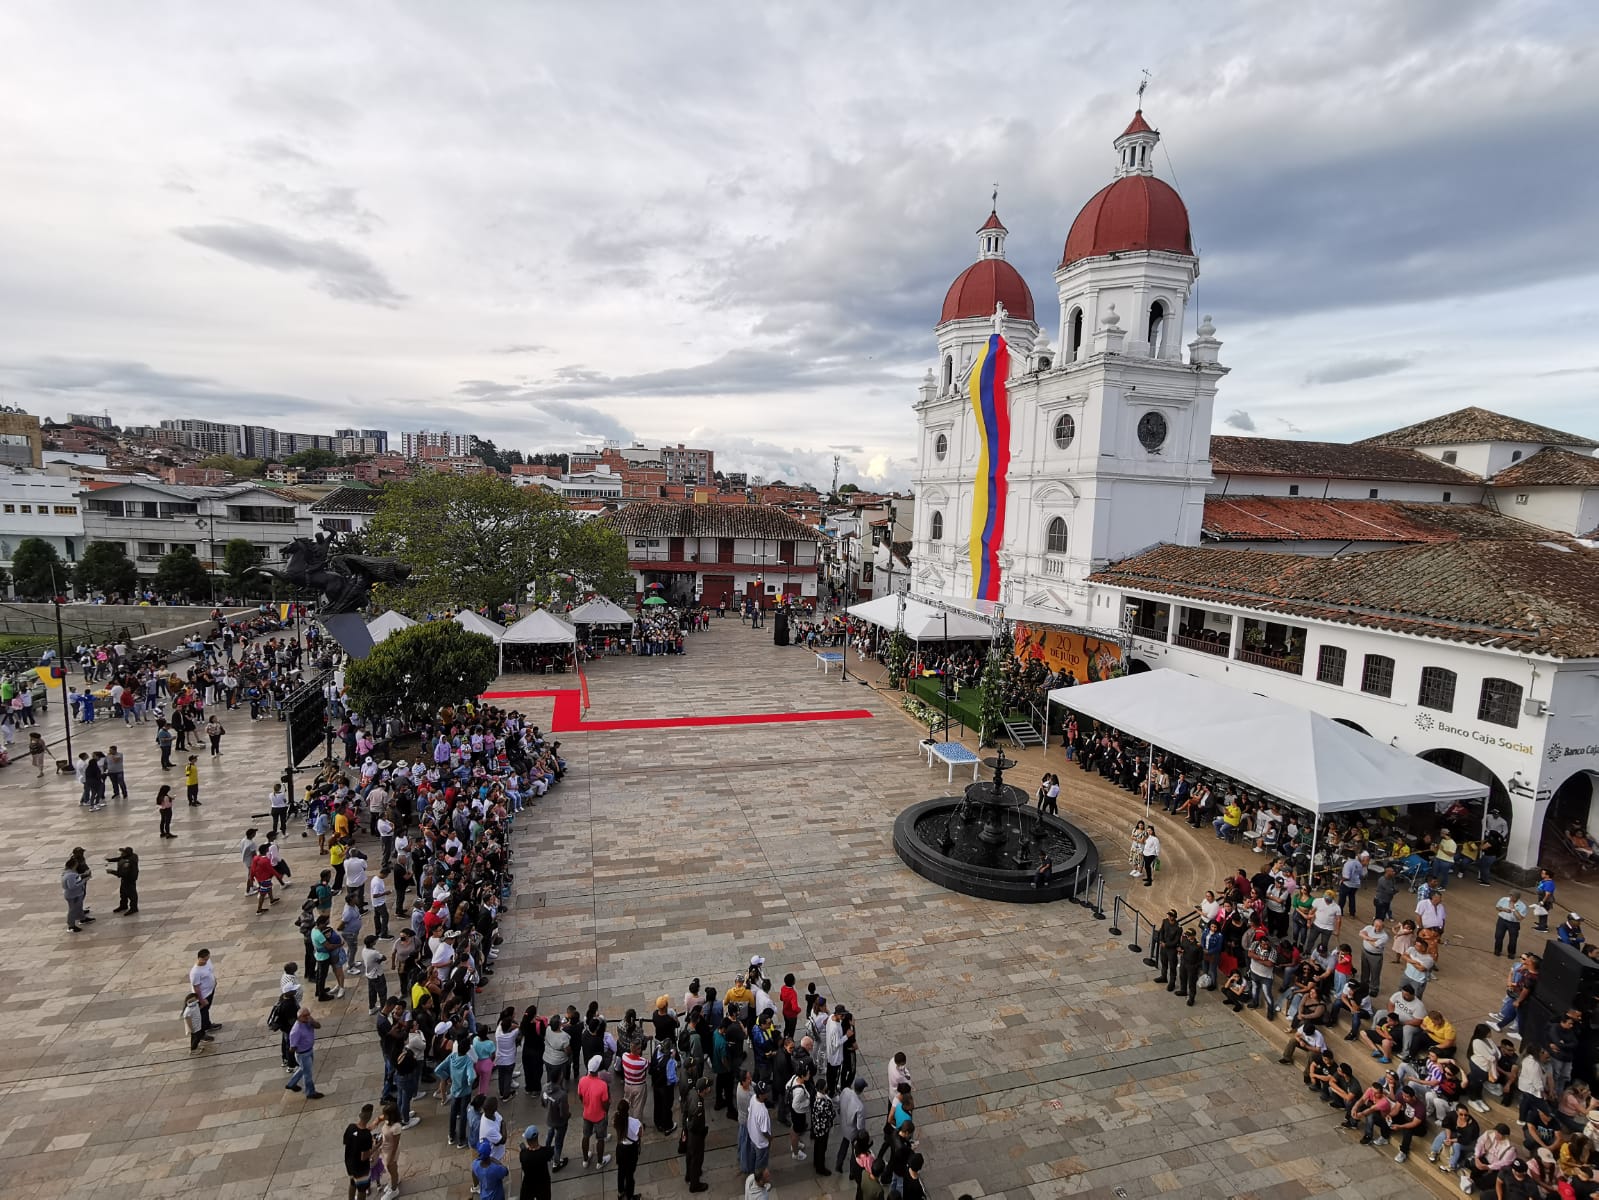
(780, 629)
(1567, 978)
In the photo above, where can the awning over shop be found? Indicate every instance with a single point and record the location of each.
(923, 622)
(1292, 753)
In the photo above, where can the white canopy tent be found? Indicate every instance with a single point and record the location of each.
(472, 623)
(923, 622)
(386, 623)
(600, 611)
(1299, 756)
(539, 628)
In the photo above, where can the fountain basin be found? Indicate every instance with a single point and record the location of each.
(952, 842)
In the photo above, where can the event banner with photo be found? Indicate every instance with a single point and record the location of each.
(1088, 659)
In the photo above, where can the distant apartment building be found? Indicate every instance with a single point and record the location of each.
(194, 476)
(441, 442)
(92, 420)
(683, 464)
(209, 437)
(261, 441)
(21, 443)
(362, 441)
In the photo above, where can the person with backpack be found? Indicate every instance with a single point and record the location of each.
(823, 1111)
(663, 1085)
(798, 1090)
(282, 1016)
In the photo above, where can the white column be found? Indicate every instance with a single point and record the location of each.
(1526, 831)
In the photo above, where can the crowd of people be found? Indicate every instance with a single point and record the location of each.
(1266, 940)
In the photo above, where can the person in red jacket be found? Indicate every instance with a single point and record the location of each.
(789, 999)
(264, 875)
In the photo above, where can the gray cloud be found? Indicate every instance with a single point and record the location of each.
(1568, 371)
(1239, 419)
(738, 372)
(278, 152)
(79, 380)
(336, 206)
(341, 272)
(1350, 369)
(522, 348)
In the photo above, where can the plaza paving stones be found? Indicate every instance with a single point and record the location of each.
(1047, 1064)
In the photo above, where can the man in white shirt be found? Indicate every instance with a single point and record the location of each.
(278, 802)
(1325, 922)
(355, 879)
(758, 1129)
(1373, 945)
(1410, 1011)
(1150, 853)
(1510, 912)
(380, 904)
(203, 983)
(1430, 913)
(1307, 1037)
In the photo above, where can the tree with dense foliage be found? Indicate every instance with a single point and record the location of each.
(311, 459)
(478, 540)
(180, 573)
(592, 558)
(238, 556)
(413, 671)
(106, 568)
(37, 570)
(991, 713)
(232, 464)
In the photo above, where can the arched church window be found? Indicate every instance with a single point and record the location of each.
(1157, 328)
(940, 447)
(1055, 537)
(936, 528)
(949, 370)
(1074, 334)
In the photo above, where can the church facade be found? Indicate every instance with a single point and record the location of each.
(1436, 587)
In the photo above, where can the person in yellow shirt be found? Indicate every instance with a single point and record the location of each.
(1439, 1032)
(341, 824)
(191, 780)
(1227, 824)
(336, 856)
(738, 995)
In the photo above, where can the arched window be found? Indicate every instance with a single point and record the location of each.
(1437, 689)
(1500, 703)
(1074, 334)
(935, 530)
(1055, 538)
(1157, 329)
(949, 370)
(1065, 430)
(940, 447)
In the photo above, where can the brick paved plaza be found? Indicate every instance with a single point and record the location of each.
(1046, 1062)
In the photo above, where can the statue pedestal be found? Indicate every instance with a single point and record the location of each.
(350, 631)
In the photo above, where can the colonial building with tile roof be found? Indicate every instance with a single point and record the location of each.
(711, 553)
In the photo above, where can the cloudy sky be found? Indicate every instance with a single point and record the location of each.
(733, 225)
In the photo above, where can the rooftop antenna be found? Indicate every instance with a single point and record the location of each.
(1143, 83)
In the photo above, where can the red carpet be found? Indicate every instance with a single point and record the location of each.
(568, 716)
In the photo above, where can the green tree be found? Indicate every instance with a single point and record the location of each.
(238, 556)
(311, 458)
(245, 468)
(105, 567)
(38, 571)
(413, 671)
(179, 573)
(592, 558)
(991, 713)
(847, 488)
(470, 539)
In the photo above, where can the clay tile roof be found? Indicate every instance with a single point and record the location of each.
(1329, 460)
(993, 222)
(651, 519)
(1310, 518)
(1531, 597)
(349, 500)
(1551, 467)
(1471, 425)
(1137, 124)
(902, 551)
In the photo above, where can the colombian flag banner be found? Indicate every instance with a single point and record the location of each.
(991, 405)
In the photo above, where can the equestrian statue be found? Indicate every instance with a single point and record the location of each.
(345, 580)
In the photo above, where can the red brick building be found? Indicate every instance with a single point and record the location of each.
(715, 552)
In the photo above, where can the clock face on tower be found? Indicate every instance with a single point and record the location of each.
(1152, 431)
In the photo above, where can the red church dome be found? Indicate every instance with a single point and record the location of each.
(1136, 212)
(983, 284)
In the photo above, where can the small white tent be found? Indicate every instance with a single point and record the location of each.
(390, 622)
(540, 628)
(600, 611)
(472, 623)
(923, 622)
(1300, 756)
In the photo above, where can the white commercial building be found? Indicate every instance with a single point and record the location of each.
(40, 504)
(1435, 587)
(149, 520)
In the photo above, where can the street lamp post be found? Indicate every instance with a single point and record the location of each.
(61, 659)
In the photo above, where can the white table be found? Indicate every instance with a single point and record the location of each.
(826, 660)
(952, 754)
